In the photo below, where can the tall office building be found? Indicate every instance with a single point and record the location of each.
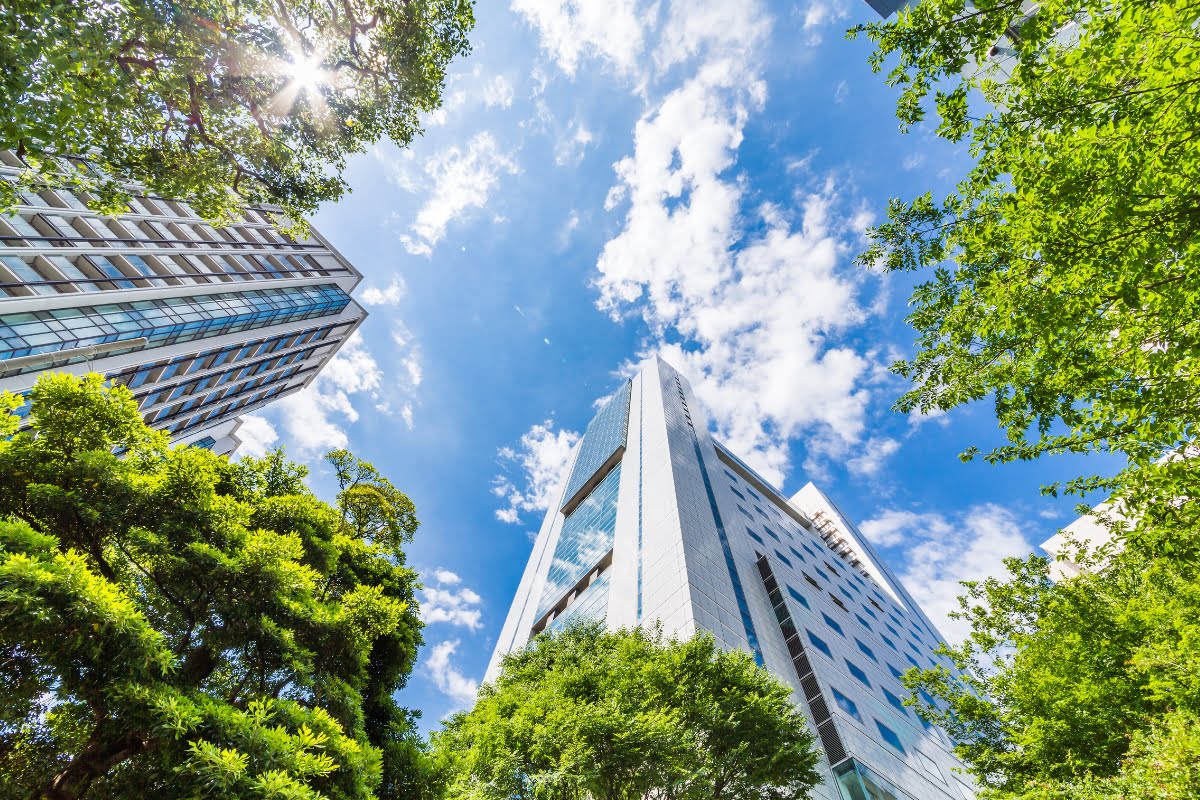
(203, 324)
(658, 521)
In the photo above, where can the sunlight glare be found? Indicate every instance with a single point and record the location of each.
(306, 73)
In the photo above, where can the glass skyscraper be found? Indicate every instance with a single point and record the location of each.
(658, 521)
(203, 324)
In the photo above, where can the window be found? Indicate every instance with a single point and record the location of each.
(741, 496)
(782, 557)
(862, 621)
(755, 536)
(858, 673)
(831, 622)
(888, 642)
(811, 581)
(846, 704)
(870, 613)
(838, 602)
(744, 511)
(895, 672)
(799, 598)
(893, 630)
(896, 702)
(796, 553)
(819, 643)
(868, 652)
(890, 736)
(832, 569)
(771, 533)
(912, 661)
(848, 596)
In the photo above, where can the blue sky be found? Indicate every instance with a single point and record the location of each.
(610, 179)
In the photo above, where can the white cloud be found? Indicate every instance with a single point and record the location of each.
(498, 92)
(764, 309)
(446, 677)
(941, 552)
(913, 161)
(313, 417)
(446, 577)
(871, 455)
(571, 30)
(450, 603)
(389, 295)
(841, 91)
(817, 14)
(459, 180)
(572, 147)
(541, 457)
(257, 436)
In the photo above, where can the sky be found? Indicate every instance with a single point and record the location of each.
(607, 180)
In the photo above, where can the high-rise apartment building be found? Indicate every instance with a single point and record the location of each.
(658, 521)
(203, 324)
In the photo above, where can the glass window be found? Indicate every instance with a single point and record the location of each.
(858, 673)
(896, 702)
(846, 704)
(890, 736)
(783, 558)
(862, 621)
(799, 598)
(26, 274)
(888, 642)
(832, 623)
(819, 643)
(756, 537)
(868, 652)
(796, 553)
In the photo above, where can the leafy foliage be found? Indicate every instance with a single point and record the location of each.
(586, 713)
(1066, 266)
(1088, 688)
(174, 624)
(193, 98)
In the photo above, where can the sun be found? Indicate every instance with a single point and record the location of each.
(306, 73)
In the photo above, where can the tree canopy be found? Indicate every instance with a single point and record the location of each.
(194, 99)
(174, 624)
(627, 715)
(1086, 689)
(1063, 273)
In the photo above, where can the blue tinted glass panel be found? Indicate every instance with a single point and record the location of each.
(605, 434)
(846, 704)
(866, 650)
(831, 622)
(586, 536)
(819, 643)
(592, 604)
(889, 736)
(858, 673)
(799, 598)
(163, 321)
(896, 702)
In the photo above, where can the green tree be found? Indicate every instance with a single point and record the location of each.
(175, 624)
(1064, 270)
(627, 715)
(1085, 689)
(194, 98)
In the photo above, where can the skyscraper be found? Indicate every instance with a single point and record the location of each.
(658, 521)
(203, 324)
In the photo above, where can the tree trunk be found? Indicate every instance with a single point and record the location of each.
(94, 761)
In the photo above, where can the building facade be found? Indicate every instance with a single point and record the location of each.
(658, 521)
(203, 324)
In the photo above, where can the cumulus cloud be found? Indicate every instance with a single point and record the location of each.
(389, 295)
(450, 603)
(816, 15)
(314, 416)
(459, 180)
(941, 551)
(572, 30)
(452, 683)
(761, 310)
(257, 436)
(540, 459)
